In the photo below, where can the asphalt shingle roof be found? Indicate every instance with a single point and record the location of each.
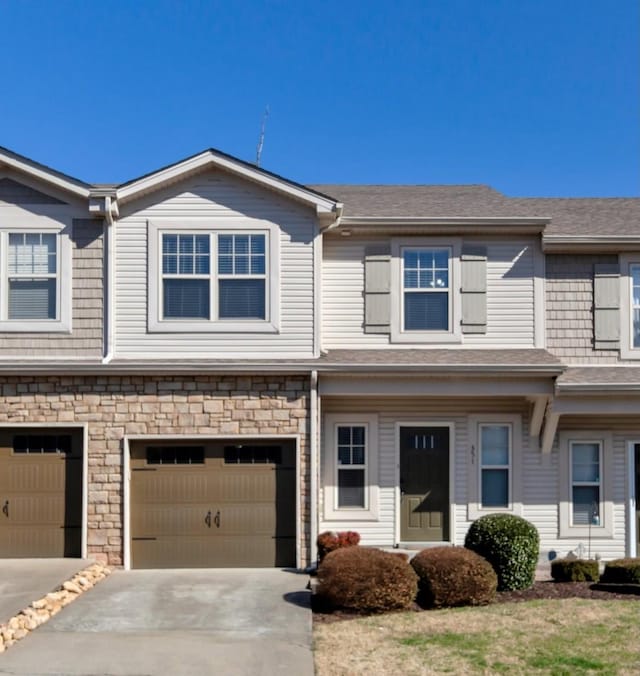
(576, 216)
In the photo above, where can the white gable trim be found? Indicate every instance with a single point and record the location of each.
(158, 179)
(42, 173)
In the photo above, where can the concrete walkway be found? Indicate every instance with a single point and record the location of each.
(178, 622)
(25, 580)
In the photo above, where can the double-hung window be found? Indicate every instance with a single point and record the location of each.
(634, 272)
(201, 279)
(426, 275)
(351, 465)
(35, 279)
(495, 465)
(586, 489)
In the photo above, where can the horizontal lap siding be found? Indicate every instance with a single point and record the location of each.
(222, 199)
(540, 478)
(510, 295)
(86, 337)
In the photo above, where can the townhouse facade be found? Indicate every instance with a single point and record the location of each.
(211, 364)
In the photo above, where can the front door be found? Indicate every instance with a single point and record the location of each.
(424, 484)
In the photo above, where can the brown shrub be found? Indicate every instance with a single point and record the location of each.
(329, 541)
(365, 579)
(454, 576)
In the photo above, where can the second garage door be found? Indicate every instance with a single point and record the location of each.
(212, 504)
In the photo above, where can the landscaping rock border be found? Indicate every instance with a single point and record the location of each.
(41, 610)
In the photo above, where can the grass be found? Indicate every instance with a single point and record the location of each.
(568, 637)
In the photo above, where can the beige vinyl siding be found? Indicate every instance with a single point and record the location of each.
(569, 306)
(510, 295)
(221, 199)
(86, 337)
(540, 478)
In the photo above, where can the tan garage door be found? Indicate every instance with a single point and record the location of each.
(40, 492)
(212, 504)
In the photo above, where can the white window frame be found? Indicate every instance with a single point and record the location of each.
(476, 423)
(156, 323)
(605, 442)
(331, 510)
(17, 222)
(590, 484)
(627, 350)
(453, 333)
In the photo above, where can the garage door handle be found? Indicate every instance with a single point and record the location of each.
(207, 519)
(217, 519)
(5, 508)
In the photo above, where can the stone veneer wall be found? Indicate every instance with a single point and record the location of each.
(117, 406)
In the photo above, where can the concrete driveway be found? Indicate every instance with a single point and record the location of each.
(178, 622)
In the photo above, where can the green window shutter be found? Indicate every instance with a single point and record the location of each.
(377, 292)
(606, 306)
(473, 289)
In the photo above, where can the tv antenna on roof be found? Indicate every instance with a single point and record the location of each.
(261, 138)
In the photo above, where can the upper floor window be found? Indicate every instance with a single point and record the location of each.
(425, 274)
(634, 271)
(34, 282)
(202, 279)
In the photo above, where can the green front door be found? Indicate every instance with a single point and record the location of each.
(424, 484)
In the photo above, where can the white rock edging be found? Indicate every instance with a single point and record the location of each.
(43, 609)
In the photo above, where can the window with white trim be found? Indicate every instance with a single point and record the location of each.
(34, 282)
(212, 279)
(634, 272)
(425, 289)
(350, 467)
(586, 489)
(495, 466)
(586, 484)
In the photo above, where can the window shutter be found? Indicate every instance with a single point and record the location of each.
(606, 306)
(473, 291)
(377, 292)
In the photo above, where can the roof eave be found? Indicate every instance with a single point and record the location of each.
(590, 243)
(496, 224)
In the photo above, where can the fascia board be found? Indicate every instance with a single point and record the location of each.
(590, 243)
(156, 180)
(47, 176)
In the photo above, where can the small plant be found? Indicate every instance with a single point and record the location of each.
(575, 570)
(510, 544)
(453, 576)
(622, 571)
(363, 579)
(329, 541)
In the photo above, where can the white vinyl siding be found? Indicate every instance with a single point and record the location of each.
(540, 488)
(228, 203)
(510, 295)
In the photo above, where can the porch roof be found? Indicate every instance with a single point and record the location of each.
(596, 379)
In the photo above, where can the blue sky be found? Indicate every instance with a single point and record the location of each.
(535, 97)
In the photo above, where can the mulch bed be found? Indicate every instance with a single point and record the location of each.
(539, 590)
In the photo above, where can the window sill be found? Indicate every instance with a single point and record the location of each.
(350, 515)
(43, 326)
(212, 327)
(422, 337)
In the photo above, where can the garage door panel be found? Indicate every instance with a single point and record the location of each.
(40, 492)
(245, 490)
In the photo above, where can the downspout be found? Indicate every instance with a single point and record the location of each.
(314, 412)
(109, 267)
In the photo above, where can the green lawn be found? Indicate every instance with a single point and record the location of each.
(565, 637)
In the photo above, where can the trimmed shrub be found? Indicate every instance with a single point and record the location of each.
(575, 570)
(365, 579)
(622, 571)
(510, 544)
(453, 576)
(329, 541)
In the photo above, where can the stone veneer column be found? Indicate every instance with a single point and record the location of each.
(116, 406)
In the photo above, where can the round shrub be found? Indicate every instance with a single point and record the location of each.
(330, 541)
(575, 570)
(453, 576)
(510, 544)
(622, 571)
(365, 579)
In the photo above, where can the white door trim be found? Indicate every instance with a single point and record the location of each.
(631, 501)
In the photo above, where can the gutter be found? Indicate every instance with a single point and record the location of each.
(600, 243)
